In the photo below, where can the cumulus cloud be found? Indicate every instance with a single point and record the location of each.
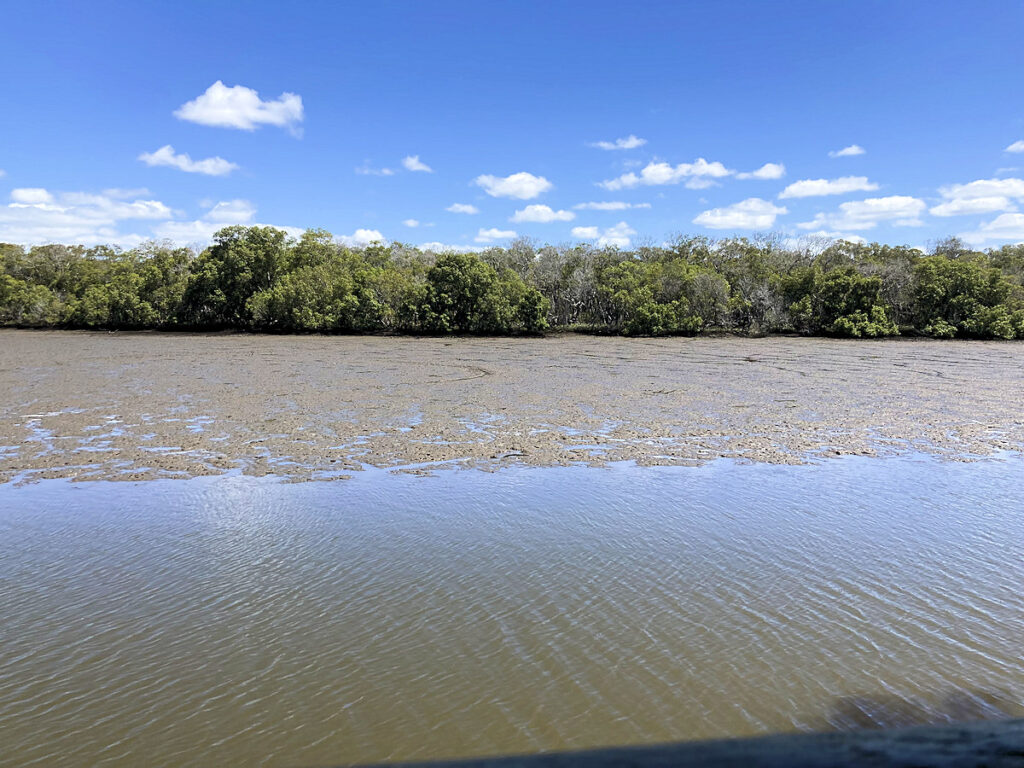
(31, 196)
(617, 236)
(361, 237)
(1007, 227)
(850, 151)
(980, 196)
(201, 231)
(520, 186)
(541, 214)
(411, 223)
(232, 212)
(630, 142)
(226, 213)
(697, 175)
(766, 171)
(898, 210)
(1017, 146)
(752, 213)
(413, 163)
(613, 205)
(974, 205)
(492, 234)
(462, 208)
(211, 166)
(242, 108)
(36, 216)
(984, 188)
(821, 187)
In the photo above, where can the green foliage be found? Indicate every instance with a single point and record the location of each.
(967, 295)
(242, 262)
(660, 297)
(24, 304)
(466, 295)
(257, 278)
(841, 302)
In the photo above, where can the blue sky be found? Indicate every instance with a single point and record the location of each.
(126, 121)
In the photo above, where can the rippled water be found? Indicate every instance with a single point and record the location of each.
(232, 620)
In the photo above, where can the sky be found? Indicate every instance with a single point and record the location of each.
(467, 124)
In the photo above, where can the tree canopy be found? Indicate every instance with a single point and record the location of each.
(260, 279)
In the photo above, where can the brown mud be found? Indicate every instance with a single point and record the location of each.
(103, 406)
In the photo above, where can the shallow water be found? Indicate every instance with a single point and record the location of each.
(235, 620)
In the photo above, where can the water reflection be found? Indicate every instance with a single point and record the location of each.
(234, 620)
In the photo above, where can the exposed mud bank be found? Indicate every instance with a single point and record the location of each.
(134, 406)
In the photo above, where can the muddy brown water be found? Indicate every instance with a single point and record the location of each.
(245, 621)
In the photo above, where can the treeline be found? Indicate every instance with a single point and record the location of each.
(257, 278)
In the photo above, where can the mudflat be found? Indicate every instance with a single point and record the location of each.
(90, 406)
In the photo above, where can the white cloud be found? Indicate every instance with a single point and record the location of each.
(225, 213)
(630, 142)
(766, 171)
(821, 187)
(31, 196)
(2, 173)
(899, 210)
(980, 196)
(617, 236)
(361, 237)
(850, 151)
(231, 212)
(211, 166)
(413, 163)
(241, 107)
(201, 231)
(35, 216)
(1007, 227)
(752, 213)
(521, 186)
(542, 214)
(366, 170)
(489, 235)
(1017, 146)
(102, 206)
(698, 175)
(984, 188)
(462, 208)
(963, 207)
(411, 223)
(615, 205)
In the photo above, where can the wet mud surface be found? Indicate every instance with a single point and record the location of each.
(103, 406)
